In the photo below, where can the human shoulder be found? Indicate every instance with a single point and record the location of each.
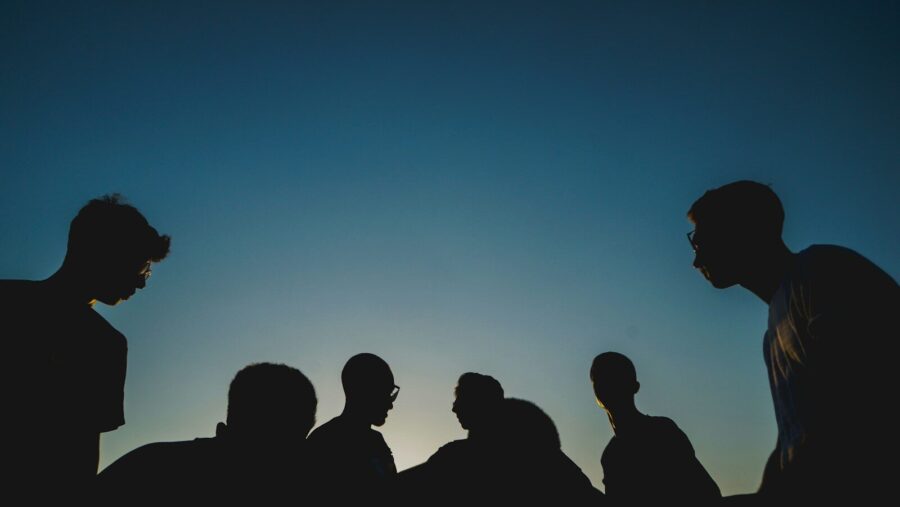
(329, 434)
(331, 426)
(13, 286)
(17, 293)
(840, 275)
(833, 261)
(105, 335)
(149, 457)
(661, 424)
(664, 433)
(450, 451)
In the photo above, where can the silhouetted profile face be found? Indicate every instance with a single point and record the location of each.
(719, 255)
(111, 248)
(369, 387)
(614, 379)
(119, 279)
(477, 400)
(735, 225)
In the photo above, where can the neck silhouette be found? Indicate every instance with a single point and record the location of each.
(356, 415)
(768, 270)
(623, 416)
(69, 284)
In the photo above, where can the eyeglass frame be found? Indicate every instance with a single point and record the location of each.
(690, 237)
(146, 271)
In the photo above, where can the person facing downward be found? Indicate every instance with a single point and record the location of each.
(66, 364)
(257, 454)
(351, 460)
(649, 460)
(530, 467)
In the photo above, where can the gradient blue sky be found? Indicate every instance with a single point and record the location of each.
(475, 186)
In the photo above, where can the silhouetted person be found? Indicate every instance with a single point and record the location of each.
(649, 460)
(452, 469)
(530, 467)
(832, 318)
(66, 363)
(352, 461)
(258, 454)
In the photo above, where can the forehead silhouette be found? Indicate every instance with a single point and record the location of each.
(363, 371)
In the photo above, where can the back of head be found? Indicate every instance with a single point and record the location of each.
(525, 428)
(106, 228)
(746, 208)
(614, 378)
(477, 400)
(271, 402)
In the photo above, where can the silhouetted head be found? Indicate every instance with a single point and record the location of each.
(270, 406)
(111, 248)
(524, 428)
(369, 387)
(734, 225)
(477, 399)
(615, 380)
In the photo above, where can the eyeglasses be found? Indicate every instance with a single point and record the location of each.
(690, 237)
(394, 392)
(145, 272)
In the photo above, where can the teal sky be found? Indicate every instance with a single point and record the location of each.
(459, 186)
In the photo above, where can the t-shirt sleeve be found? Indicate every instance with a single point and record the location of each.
(111, 388)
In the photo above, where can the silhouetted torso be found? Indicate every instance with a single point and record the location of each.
(654, 462)
(530, 476)
(467, 472)
(458, 472)
(351, 462)
(831, 322)
(204, 471)
(67, 375)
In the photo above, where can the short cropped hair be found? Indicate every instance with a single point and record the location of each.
(613, 367)
(262, 394)
(361, 370)
(743, 206)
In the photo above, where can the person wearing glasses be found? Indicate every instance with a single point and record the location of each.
(832, 319)
(352, 461)
(65, 363)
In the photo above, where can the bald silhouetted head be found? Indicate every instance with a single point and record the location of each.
(369, 387)
(614, 379)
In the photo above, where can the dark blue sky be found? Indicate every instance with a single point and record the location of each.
(496, 187)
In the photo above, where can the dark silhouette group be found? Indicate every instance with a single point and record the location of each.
(832, 317)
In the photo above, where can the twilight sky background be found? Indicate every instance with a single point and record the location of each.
(497, 187)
